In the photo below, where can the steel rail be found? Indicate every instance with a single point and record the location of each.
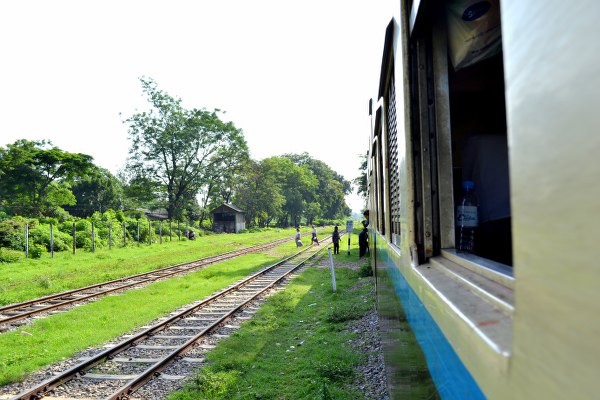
(154, 370)
(154, 276)
(38, 391)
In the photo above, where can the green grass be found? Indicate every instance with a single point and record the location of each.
(296, 347)
(28, 278)
(62, 335)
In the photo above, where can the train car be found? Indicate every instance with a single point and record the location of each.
(501, 94)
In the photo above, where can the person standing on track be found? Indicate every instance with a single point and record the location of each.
(314, 236)
(363, 242)
(297, 238)
(335, 238)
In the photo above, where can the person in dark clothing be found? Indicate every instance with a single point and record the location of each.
(335, 238)
(365, 222)
(363, 242)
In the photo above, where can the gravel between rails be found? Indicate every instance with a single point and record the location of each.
(370, 377)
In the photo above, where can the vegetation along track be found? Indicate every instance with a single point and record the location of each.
(148, 355)
(14, 314)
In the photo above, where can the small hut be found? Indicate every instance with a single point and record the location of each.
(228, 218)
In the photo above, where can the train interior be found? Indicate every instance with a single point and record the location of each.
(479, 144)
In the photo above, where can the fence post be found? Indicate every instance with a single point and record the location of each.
(138, 233)
(332, 269)
(149, 232)
(26, 240)
(160, 230)
(93, 238)
(51, 242)
(74, 238)
(178, 231)
(109, 237)
(124, 234)
(170, 230)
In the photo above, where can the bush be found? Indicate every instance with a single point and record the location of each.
(12, 232)
(36, 251)
(41, 236)
(365, 270)
(59, 214)
(9, 256)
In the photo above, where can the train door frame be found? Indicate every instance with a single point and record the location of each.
(430, 131)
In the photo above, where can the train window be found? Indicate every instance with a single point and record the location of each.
(379, 174)
(392, 158)
(479, 141)
(459, 129)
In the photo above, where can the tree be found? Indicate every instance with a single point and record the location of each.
(140, 192)
(330, 192)
(177, 149)
(298, 187)
(222, 176)
(36, 176)
(97, 191)
(361, 181)
(259, 193)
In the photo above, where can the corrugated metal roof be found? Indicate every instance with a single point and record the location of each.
(227, 207)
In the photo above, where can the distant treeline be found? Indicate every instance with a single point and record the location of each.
(184, 162)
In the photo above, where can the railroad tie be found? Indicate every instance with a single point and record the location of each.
(109, 377)
(192, 360)
(156, 347)
(136, 360)
(197, 328)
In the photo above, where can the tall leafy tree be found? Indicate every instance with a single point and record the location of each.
(361, 181)
(140, 192)
(222, 176)
(259, 193)
(330, 192)
(36, 177)
(96, 192)
(298, 187)
(179, 149)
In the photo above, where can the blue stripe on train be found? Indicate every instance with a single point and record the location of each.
(452, 379)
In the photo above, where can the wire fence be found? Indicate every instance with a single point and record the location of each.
(104, 234)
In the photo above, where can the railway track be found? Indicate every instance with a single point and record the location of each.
(13, 314)
(182, 338)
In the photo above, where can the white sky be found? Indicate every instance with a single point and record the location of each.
(295, 76)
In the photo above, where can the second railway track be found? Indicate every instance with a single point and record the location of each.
(15, 314)
(150, 355)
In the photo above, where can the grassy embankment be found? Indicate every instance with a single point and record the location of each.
(30, 278)
(298, 346)
(59, 336)
(257, 361)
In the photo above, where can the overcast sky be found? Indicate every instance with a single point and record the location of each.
(295, 76)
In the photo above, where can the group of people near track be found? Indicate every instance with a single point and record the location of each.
(363, 238)
(298, 237)
(335, 238)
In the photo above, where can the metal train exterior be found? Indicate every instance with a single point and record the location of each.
(519, 318)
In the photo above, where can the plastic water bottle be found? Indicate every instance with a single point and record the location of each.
(467, 218)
